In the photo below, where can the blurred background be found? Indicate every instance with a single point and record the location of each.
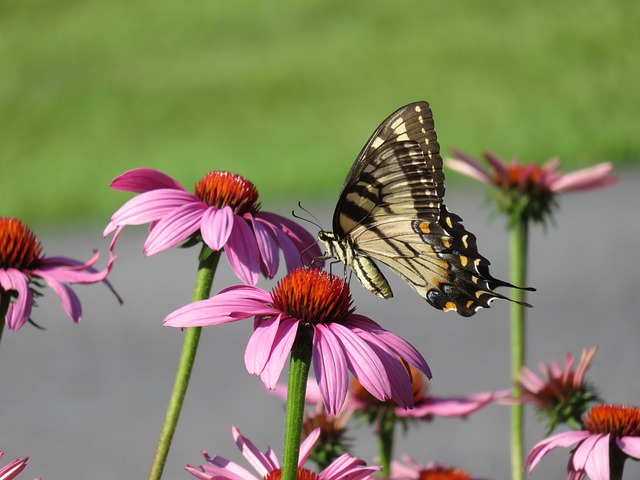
(286, 94)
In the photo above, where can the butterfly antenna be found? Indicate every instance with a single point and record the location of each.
(315, 222)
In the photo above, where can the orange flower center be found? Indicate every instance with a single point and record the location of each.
(313, 296)
(520, 177)
(19, 247)
(221, 189)
(303, 474)
(444, 473)
(618, 420)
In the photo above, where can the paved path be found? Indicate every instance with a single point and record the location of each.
(86, 401)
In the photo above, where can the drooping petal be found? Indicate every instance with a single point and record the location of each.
(216, 226)
(307, 445)
(459, 406)
(630, 446)
(174, 228)
(141, 180)
(330, 367)
(231, 304)
(12, 469)
(592, 456)
(306, 244)
(254, 456)
(68, 298)
(20, 310)
(565, 439)
(279, 352)
(267, 244)
(467, 165)
(242, 252)
(69, 270)
(388, 339)
(258, 349)
(585, 179)
(149, 207)
(363, 362)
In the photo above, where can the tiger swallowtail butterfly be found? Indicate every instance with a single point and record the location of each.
(390, 209)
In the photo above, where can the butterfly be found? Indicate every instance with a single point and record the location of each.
(391, 209)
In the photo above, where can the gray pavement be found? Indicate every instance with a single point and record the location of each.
(87, 401)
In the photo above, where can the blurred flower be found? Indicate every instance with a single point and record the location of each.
(611, 434)
(23, 265)
(12, 469)
(319, 303)
(412, 470)
(425, 406)
(529, 190)
(266, 464)
(564, 396)
(223, 213)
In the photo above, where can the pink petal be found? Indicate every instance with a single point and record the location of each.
(306, 244)
(141, 180)
(586, 179)
(498, 164)
(630, 446)
(279, 352)
(174, 228)
(363, 362)
(346, 467)
(592, 456)
(259, 347)
(467, 165)
(460, 406)
(150, 206)
(383, 337)
(267, 244)
(259, 461)
(20, 310)
(530, 380)
(50, 267)
(12, 469)
(307, 445)
(242, 252)
(216, 226)
(225, 468)
(565, 439)
(70, 301)
(231, 304)
(330, 367)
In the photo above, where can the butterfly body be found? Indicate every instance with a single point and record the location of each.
(391, 210)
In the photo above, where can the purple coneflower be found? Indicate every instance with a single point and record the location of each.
(564, 396)
(527, 189)
(412, 470)
(223, 212)
(610, 435)
(268, 467)
(342, 340)
(23, 265)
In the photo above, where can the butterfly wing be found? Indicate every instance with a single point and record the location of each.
(398, 172)
(391, 209)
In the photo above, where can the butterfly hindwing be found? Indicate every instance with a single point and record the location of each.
(391, 210)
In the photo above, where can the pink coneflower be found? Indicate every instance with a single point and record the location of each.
(223, 212)
(564, 396)
(320, 304)
(611, 434)
(528, 189)
(412, 470)
(425, 405)
(268, 467)
(12, 469)
(23, 266)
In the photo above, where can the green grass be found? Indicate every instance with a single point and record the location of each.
(286, 93)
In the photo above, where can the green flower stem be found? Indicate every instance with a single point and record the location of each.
(201, 291)
(518, 242)
(297, 387)
(386, 424)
